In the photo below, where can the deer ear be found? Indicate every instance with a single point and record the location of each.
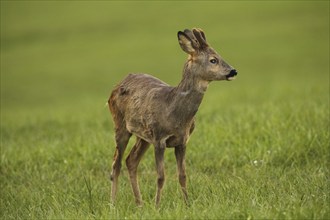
(201, 32)
(200, 36)
(186, 43)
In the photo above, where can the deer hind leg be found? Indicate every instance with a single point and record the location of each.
(122, 137)
(180, 152)
(132, 162)
(159, 156)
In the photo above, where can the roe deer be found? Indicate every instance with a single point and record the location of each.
(162, 115)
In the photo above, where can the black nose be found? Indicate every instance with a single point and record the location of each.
(233, 72)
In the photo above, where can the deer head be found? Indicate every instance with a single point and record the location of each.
(204, 62)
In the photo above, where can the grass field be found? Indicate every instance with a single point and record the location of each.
(261, 145)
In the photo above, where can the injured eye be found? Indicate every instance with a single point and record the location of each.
(213, 61)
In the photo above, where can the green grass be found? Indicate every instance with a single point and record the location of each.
(261, 145)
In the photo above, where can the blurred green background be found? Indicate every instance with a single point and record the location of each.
(56, 54)
(261, 144)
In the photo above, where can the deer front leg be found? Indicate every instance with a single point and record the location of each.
(132, 163)
(180, 152)
(159, 156)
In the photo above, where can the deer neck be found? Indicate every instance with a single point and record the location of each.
(192, 83)
(188, 95)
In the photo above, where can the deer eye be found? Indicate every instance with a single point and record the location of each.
(213, 61)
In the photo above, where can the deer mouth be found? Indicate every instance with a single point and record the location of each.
(231, 75)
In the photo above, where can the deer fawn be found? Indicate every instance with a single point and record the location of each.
(162, 115)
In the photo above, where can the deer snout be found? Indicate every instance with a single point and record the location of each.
(231, 75)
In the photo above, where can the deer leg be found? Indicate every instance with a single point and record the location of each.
(132, 162)
(122, 138)
(180, 152)
(159, 156)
